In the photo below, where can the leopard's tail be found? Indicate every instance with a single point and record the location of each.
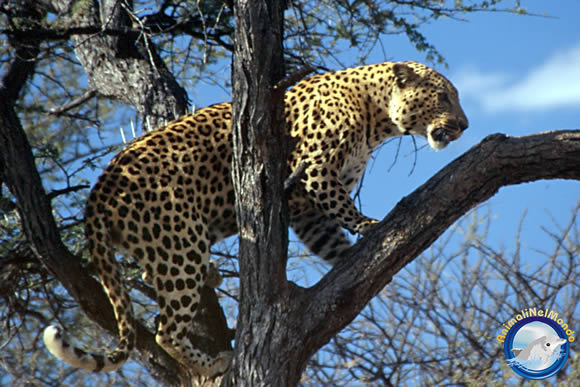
(109, 272)
(76, 357)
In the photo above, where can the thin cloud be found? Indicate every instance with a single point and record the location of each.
(471, 82)
(550, 85)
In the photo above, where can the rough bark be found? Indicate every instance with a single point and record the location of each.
(260, 148)
(123, 68)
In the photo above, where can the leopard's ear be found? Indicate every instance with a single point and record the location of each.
(404, 75)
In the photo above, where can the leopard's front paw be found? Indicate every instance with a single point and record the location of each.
(221, 363)
(365, 226)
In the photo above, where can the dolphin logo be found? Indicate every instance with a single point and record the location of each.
(540, 349)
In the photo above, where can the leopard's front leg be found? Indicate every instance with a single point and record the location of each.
(329, 194)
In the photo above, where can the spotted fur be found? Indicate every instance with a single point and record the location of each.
(168, 196)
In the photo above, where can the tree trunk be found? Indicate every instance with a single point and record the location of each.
(303, 320)
(18, 171)
(260, 154)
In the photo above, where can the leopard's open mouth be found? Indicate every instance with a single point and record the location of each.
(441, 136)
(445, 135)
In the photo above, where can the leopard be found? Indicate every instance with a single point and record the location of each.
(168, 196)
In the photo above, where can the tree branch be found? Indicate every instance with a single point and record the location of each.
(84, 97)
(149, 25)
(125, 67)
(420, 218)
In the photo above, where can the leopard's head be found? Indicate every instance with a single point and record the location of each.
(424, 102)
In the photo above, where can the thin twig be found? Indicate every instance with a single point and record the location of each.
(63, 191)
(74, 102)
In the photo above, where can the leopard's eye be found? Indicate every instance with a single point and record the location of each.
(444, 98)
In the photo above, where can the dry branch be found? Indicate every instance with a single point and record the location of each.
(420, 218)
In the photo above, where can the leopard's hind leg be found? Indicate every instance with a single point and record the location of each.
(181, 269)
